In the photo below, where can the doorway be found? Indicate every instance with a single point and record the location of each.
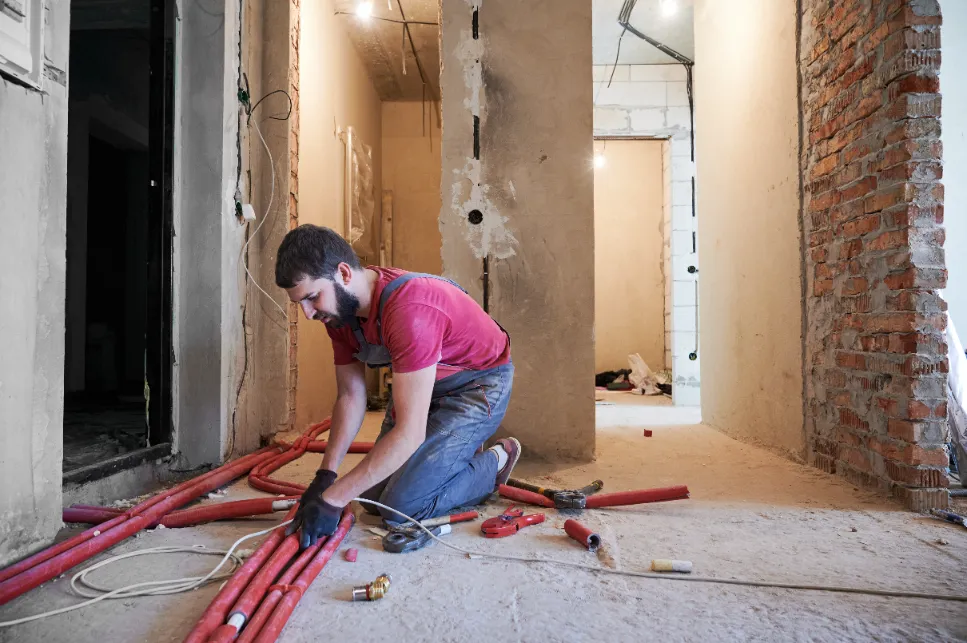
(117, 362)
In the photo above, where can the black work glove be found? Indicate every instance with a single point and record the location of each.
(315, 516)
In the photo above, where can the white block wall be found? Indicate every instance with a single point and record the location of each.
(652, 101)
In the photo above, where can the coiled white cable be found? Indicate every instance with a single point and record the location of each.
(149, 588)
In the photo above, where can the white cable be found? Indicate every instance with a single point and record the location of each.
(158, 587)
(693, 579)
(265, 218)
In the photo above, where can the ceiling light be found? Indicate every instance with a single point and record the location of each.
(669, 8)
(364, 10)
(599, 160)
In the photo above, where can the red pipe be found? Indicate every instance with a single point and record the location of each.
(253, 594)
(280, 615)
(588, 539)
(88, 516)
(127, 526)
(265, 609)
(222, 511)
(598, 500)
(217, 610)
(70, 543)
(638, 497)
(522, 495)
(184, 517)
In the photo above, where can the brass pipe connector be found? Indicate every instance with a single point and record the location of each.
(372, 591)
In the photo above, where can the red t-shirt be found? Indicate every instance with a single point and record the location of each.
(427, 322)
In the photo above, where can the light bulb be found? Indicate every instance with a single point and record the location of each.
(599, 160)
(364, 10)
(669, 8)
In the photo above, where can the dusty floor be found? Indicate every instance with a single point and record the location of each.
(752, 515)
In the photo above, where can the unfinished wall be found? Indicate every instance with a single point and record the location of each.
(872, 212)
(33, 182)
(629, 284)
(748, 180)
(208, 292)
(411, 171)
(335, 91)
(270, 60)
(528, 185)
(953, 86)
(652, 101)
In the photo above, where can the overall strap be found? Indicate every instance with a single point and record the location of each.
(357, 331)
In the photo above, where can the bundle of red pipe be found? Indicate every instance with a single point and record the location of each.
(255, 603)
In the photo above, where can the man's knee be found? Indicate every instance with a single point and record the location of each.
(404, 503)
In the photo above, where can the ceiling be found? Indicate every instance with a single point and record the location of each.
(381, 44)
(648, 17)
(383, 49)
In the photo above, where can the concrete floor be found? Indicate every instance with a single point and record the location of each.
(752, 515)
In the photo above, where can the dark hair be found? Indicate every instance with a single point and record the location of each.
(314, 252)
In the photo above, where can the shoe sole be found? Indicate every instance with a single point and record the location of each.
(504, 474)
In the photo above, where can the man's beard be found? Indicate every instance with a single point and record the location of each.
(347, 305)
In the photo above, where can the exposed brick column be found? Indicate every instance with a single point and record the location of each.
(872, 217)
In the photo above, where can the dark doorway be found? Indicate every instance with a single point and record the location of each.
(117, 408)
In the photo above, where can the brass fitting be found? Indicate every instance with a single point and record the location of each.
(372, 591)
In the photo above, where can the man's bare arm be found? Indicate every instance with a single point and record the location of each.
(411, 398)
(347, 413)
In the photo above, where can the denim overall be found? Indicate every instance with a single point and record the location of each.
(446, 471)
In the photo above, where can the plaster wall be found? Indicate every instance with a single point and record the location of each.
(953, 120)
(748, 176)
(411, 171)
(629, 284)
(33, 215)
(262, 388)
(335, 92)
(207, 299)
(532, 185)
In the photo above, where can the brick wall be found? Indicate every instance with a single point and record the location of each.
(652, 101)
(874, 261)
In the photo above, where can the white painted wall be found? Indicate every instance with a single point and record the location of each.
(748, 196)
(652, 101)
(33, 216)
(953, 86)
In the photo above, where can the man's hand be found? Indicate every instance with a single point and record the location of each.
(315, 516)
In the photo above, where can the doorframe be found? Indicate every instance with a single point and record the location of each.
(158, 340)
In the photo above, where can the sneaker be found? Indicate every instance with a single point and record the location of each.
(512, 447)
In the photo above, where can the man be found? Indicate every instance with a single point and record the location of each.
(452, 378)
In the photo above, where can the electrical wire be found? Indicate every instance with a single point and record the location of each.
(277, 118)
(265, 217)
(692, 579)
(149, 588)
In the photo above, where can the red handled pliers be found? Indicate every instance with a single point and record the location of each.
(509, 523)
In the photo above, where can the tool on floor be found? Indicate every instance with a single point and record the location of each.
(588, 539)
(950, 516)
(404, 539)
(509, 523)
(637, 497)
(372, 591)
(668, 565)
(409, 537)
(562, 498)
